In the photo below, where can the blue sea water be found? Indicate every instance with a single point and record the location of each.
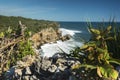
(79, 26)
(83, 27)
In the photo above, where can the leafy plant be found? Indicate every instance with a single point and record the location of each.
(97, 55)
(13, 48)
(115, 42)
(24, 48)
(2, 34)
(8, 32)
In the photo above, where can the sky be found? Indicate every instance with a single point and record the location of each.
(62, 10)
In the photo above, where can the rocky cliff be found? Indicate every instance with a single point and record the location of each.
(48, 35)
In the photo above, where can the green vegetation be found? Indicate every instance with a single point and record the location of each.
(13, 48)
(24, 48)
(32, 24)
(97, 56)
(114, 44)
(15, 40)
(100, 53)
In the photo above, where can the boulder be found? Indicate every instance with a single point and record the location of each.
(66, 37)
(52, 68)
(47, 36)
(45, 64)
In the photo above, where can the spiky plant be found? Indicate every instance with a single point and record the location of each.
(97, 56)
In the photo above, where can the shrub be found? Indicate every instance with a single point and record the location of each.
(13, 47)
(24, 48)
(97, 57)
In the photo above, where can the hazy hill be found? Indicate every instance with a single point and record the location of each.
(32, 24)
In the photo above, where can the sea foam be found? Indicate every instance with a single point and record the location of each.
(50, 49)
(68, 31)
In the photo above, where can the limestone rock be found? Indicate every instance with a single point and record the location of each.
(66, 37)
(52, 68)
(33, 77)
(45, 64)
(61, 60)
(26, 61)
(47, 36)
(28, 71)
(26, 77)
(43, 69)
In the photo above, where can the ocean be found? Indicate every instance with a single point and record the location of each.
(83, 33)
(82, 27)
(78, 31)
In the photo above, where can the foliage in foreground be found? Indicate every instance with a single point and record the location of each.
(13, 47)
(114, 44)
(14, 38)
(96, 54)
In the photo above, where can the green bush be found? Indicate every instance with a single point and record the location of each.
(97, 56)
(32, 24)
(24, 48)
(14, 48)
(114, 44)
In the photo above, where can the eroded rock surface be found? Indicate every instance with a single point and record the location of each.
(47, 36)
(42, 69)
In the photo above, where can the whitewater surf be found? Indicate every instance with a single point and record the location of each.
(50, 49)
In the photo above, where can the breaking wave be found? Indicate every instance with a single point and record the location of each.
(50, 49)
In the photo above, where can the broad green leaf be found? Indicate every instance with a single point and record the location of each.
(103, 72)
(2, 35)
(99, 72)
(100, 50)
(113, 60)
(98, 37)
(107, 71)
(113, 74)
(91, 43)
(109, 38)
(95, 31)
(106, 55)
(109, 28)
(84, 47)
(76, 66)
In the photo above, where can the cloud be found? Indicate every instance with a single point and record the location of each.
(24, 11)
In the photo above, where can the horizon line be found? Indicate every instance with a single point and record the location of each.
(113, 20)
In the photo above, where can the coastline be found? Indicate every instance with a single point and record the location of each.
(49, 64)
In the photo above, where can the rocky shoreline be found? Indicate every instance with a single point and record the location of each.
(47, 36)
(39, 68)
(58, 67)
(35, 67)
